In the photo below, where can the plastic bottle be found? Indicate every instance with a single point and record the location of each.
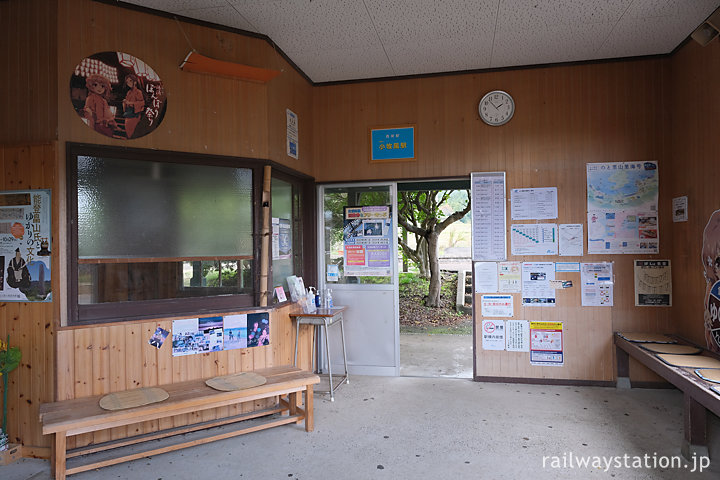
(328, 299)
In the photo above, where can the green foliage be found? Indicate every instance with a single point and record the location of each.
(9, 357)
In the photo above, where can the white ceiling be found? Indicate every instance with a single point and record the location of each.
(337, 40)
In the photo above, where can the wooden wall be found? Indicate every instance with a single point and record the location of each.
(566, 116)
(694, 131)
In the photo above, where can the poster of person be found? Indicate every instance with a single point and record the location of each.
(711, 270)
(118, 95)
(258, 329)
(25, 238)
(235, 332)
(158, 338)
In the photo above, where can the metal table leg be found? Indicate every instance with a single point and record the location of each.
(329, 362)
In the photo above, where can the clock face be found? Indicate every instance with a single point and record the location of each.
(496, 108)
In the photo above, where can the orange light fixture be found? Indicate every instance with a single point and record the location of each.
(194, 62)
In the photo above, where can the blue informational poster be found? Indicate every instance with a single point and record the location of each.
(392, 143)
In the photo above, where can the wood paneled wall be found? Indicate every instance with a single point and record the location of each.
(30, 325)
(695, 169)
(566, 116)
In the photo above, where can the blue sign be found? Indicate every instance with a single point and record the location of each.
(392, 143)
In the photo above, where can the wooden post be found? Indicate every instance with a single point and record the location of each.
(265, 244)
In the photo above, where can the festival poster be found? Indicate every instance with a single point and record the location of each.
(367, 241)
(258, 329)
(25, 239)
(118, 95)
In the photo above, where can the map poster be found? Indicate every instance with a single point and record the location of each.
(597, 284)
(367, 237)
(25, 239)
(571, 240)
(623, 207)
(493, 334)
(546, 344)
(653, 283)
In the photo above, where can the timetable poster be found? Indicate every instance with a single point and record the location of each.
(367, 241)
(25, 239)
(489, 242)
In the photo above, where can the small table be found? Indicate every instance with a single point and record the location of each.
(323, 317)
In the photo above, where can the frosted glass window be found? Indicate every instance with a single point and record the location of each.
(140, 209)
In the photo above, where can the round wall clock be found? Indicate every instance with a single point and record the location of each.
(496, 108)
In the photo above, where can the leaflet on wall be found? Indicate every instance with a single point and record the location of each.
(489, 242)
(679, 209)
(623, 207)
(509, 277)
(517, 336)
(367, 236)
(533, 203)
(185, 337)
(546, 344)
(493, 334)
(284, 238)
(534, 239)
(333, 273)
(653, 283)
(25, 238)
(496, 305)
(275, 222)
(158, 337)
(291, 122)
(536, 289)
(597, 284)
(567, 267)
(571, 239)
(486, 277)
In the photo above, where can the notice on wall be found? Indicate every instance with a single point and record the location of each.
(517, 336)
(536, 289)
(653, 283)
(534, 239)
(25, 238)
(493, 334)
(509, 277)
(533, 203)
(567, 267)
(489, 242)
(486, 277)
(571, 239)
(680, 209)
(496, 305)
(623, 207)
(213, 334)
(367, 236)
(292, 133)
(546, 344)
(597, 284)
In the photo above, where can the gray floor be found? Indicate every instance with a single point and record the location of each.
(423, 355)
(436, 428)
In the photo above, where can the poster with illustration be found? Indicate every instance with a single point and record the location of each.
(258, 329)
(711, 270)
(118, 95)
(235, 332)
(25, 238)
(367, 241)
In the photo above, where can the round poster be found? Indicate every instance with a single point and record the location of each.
(118, 95)
(711, 267)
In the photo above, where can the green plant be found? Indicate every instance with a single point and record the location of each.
(9, 361)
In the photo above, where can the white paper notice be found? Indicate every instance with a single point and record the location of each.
(679, 209)
(533, 203)
(571, 239)
(509, 277)
(486, 277)
(497, 305)
(488, 216)
(292, 133)
(597, 284)
(534, 239)
(517, 336)
(536, 289)
(493, 334)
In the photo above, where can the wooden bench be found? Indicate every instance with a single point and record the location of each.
(698, 398)
(84, 415)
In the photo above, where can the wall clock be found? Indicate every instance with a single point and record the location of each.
(496, 108)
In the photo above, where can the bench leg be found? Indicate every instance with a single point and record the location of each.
(59, 451)
(309, 425)
(623, 368)
(293, 404)
(695, 440)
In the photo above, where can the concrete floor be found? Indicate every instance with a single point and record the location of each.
(435, 428)
(423, 355)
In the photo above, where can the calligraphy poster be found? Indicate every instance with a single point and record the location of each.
(367, 241)
(25, 239)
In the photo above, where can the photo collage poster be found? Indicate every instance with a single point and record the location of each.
(218, 333)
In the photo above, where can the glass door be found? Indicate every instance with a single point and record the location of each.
(358, 262)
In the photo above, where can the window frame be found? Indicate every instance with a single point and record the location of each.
(142, 309)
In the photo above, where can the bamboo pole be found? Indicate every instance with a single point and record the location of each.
(265, 244)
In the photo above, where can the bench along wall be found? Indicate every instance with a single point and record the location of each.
(43, 40)
(566, 116)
